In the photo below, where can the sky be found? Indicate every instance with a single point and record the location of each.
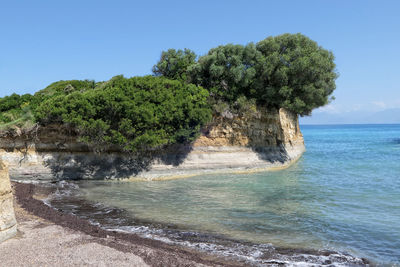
(46, 41)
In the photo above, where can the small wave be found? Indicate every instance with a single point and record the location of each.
(260, 254)
(67, 185)
(114, 219)
(65, 189)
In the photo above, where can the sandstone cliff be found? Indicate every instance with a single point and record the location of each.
(8, 224)
(266, 139)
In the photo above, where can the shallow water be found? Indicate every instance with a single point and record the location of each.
(342, 195)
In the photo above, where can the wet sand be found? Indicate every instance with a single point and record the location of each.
(47, 237)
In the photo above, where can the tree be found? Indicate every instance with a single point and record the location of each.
(289, 71)
(228, 71)
(173, 64)
(295, 73)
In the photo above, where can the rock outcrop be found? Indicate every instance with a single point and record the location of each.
(266, 139)
(8, 224)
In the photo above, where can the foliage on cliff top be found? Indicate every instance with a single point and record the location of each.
(135, 113)
(288, 70)
(66, 87)
(15, 111)
(174, 63)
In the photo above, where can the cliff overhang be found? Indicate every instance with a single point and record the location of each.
(265, 140)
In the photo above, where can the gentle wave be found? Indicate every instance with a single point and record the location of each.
(67, 198)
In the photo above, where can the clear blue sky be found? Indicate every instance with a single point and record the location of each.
(46, 41)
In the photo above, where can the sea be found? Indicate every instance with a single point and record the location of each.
(338, 205)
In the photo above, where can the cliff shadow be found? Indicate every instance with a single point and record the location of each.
(272, 154)
(110, 165)
(76, 166)
(173, 155)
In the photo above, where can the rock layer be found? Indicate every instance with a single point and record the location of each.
(8, 224)
(265, 139)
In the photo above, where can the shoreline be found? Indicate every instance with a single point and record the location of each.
(248, 170)
(63, 165)
(29, 198)
(152, 252)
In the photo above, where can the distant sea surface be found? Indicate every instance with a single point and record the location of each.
(343, 195)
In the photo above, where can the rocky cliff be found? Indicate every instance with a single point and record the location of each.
(8, 224)
(266, 139)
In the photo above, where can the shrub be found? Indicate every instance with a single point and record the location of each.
(136, 113)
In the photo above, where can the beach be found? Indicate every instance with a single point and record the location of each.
(47, 237)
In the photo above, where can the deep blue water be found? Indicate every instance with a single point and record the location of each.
(342, 195)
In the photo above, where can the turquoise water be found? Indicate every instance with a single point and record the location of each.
(342, 195)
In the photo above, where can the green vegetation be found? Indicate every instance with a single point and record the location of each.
(15, 111)
(295, 73)
(289, 71)
(174, 64)
(66, 87)
(135, 113)
(228, 72)
(139, 113)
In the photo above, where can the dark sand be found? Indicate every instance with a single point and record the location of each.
(48, 237)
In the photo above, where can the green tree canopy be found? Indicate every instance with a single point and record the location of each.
(295, 73)
(136, 113)
(14, 101)
(228, 71)
(288, 70)
(173, 64)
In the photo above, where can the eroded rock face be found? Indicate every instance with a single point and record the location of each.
(266, 128)
(8, 224)
(263, 140)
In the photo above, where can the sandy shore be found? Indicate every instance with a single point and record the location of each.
(47, 237)
(42, 243)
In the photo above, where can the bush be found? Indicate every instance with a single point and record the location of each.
(15, 111)
(66, 87)
(136, 113)
(14, 102)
